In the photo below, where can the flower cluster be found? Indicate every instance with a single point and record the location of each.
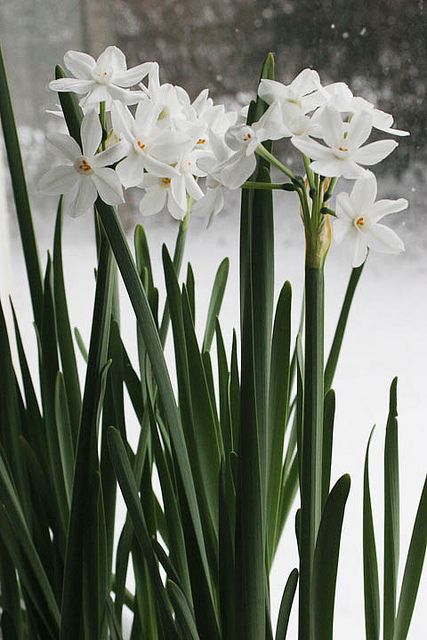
(184, 153)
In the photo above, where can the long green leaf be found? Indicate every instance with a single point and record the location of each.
(256, 301)
(370, 563)
(278, 410)
(215, 302)
(391, 516)
(286, 605)
(20, 193)
(87, 456)
(325, 562)
(413, 569)
(65, 337)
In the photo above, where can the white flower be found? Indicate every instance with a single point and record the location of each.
(161, 192)
(340, 96)
(212, 202)
(149, 147)
(170, 99)
(294, 94)
(344, 152)
(244, 140)
(357, 221)
(102, 80)
(83, 175)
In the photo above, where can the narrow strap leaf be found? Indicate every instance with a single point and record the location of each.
(325, 562)
(370, 563)
(286, 605)
(20, 194)
(391, 515)
(413, 569)
(215, 302)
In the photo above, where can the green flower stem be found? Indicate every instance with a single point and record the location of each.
(330, 190)
(310, 175)
(177, 263)
(263, 185)
(262, 151)
(312, 438)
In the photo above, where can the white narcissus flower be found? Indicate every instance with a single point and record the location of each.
(161, 192)
(340, 96)
(357, 222)
(244, 140)
(293, 94)
(344, 153)
(149, 147)
(102, 80)
(83, 175)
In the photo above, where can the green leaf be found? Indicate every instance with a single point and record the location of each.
(130, 494)
(256, 300)
(286, 605)
(391, 515)
(413, 569)
(20, 193)
(184, 615)
(370, 563)
(191, 291)
(87, 461)
(64, 431)
(81, 344)
(215, 302)
(328, 433)
(65, 338)
(278, 411)
(334, 353)
(326, 560)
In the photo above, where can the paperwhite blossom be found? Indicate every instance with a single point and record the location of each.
(149, 147)
(357, 223)
(83, 174)
(340, 96)
(243, 140)
(163, 191)
(292, 100)
(102, 80)
(344, 152)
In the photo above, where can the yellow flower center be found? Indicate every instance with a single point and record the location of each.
(343, 148)
(140, 144)
(83, 166)
(166, 181)
(360, 222)
(247, 136)
(201, 141)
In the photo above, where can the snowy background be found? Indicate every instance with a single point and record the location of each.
(379, 47)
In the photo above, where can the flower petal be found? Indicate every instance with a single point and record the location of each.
(238, 169)
(153, 202)
(375, 152)
(58, 180)
(364, 193)
(108, 185)
(64, 146)
(385, 207)
(383, 239)
(85, 197)
(341, 228)
(359, 129)
(71, 84)
(157, 168)
(359, 249)
(131, 170)
(178, 192)
(80, 64)
(110, 156)
(132, 76)
(122, 120)
(192, 187)
(332, 126)
(91, 133)
(174, 208)
(344, 207)
(112, 59)
(312, 149)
